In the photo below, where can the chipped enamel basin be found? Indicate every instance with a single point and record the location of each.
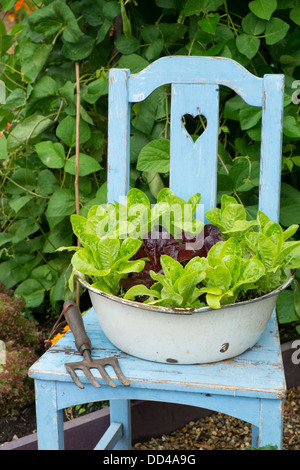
(182, 335)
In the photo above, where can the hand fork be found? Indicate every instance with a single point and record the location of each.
(83, 344)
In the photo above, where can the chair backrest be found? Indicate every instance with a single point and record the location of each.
(195, 90)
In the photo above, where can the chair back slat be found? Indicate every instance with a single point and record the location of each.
(195, 90)
(193, 165)
(271, 144)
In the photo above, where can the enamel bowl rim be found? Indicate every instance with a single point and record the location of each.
(178, 310)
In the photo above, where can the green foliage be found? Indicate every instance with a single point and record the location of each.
(267, 447)
(37, 151)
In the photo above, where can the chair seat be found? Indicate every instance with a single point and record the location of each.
(250, 387)
(257, 372)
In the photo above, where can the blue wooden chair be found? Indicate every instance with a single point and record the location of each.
(250, 387)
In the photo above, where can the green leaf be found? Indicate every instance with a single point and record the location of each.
(78, 50)
(291, 127)
(108, 250)
(127, 45)
(296, 160)
(127, 267)
(149, 33)
(253, 25)
(295, 14)
(7, 4)
(219, 277)
(140, 291)
(59, 235)
(87, 165)
(172, 269)
(263, 8)
(22, 228)
(66, 131)
(223, 34)
(47, 183)
(32, 292)
(129, 248)
(111, 10)
(276, 30)
(102, 285)
(289, 212)
(155, 156)
(15, 270)
(45, 275)
(52, 154)
(61, 203)
(209, 23)
(134, 62)
(33, 58)
(135, 197)
(19, 202)
(194, 7)
(95, 90)
(28, 129)
(43, 88)
(247, 45)
(245, 174)
(232, 108)
(5, 237)
(172, 32)
(291, 250)
(285, 307)
(230, 218)
(251, 271)
(3, 148)
(45, 21)
(83, 261)
(249, 116)
(290, 231)
(154, 50)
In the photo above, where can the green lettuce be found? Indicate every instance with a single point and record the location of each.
(111, 235)
(252, 259)
(176, 287)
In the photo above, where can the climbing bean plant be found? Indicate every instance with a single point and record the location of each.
(38, 115)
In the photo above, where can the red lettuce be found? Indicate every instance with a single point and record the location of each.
(182, 249)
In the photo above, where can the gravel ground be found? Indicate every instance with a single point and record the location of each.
(222, 432)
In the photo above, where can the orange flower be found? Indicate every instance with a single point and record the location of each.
(18, 5)
(59, 335)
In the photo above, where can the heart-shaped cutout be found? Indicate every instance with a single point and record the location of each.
(194, 125)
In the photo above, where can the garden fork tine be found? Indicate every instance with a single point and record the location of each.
(83, 344)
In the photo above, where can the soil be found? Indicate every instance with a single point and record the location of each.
(14, 427)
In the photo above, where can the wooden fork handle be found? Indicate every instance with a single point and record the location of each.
(75, 322)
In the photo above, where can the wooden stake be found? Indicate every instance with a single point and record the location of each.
(76, 183)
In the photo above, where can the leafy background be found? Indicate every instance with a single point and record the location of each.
(38, 117)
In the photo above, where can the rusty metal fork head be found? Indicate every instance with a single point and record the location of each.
(84, 346)
(99, 364)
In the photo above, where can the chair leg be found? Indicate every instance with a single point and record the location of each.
(120, 412)
(255, 436)
(269, 431)
(49, 419)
